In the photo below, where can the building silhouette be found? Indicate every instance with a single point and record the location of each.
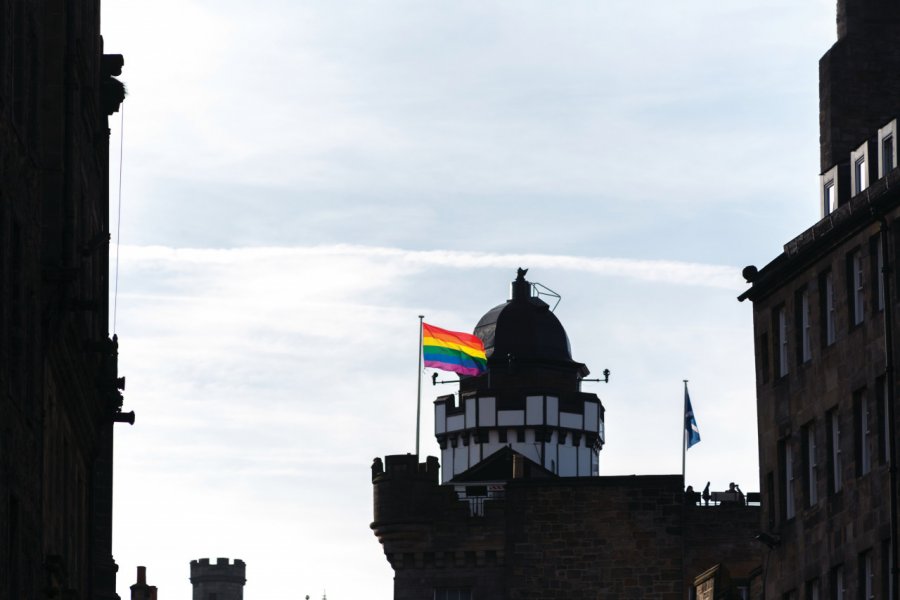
(824, 327)
(221, 580)
(59, 386)
(140, 590)
(519, 511)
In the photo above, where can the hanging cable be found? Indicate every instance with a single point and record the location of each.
(119, 215)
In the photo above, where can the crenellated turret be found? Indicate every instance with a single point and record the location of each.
(529, 400)
(221, 580)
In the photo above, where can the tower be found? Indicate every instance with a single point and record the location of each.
(58, 362)
(858, 100)
(529, 402)
(219, 581)
(519, 510)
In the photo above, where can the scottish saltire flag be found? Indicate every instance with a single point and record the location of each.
(691, 431)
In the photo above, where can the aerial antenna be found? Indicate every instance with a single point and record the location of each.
(540, 290)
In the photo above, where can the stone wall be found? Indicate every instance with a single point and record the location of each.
(558, 538)
(604, 537)
(58, 367)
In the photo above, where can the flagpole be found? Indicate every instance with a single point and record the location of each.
(684, 434)
(419, 379)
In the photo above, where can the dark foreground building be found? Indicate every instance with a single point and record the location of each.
(824, 314)
(519, 510)
(59, 395)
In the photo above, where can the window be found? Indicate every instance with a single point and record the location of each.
(826, 302)
(828, 190)
(452, 594)
(801, 304)
(863, 452)
(887, 137)
(837, 583)
(829, 198)
(855, 290)
(859, 175)
(781, 341)
(811, 478)
(887, 155)
(812, 590)
(834, 450)
(886, 583)
(788, 482)
(866, 576)
(877, 257)
(884, 411)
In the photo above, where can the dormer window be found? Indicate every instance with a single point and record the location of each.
(887, 148)
(828, 191)
(830, 198)
(859, 173)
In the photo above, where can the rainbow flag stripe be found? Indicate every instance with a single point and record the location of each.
(461, 353)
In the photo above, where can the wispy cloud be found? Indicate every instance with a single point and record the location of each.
(654, 271)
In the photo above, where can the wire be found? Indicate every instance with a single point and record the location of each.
(119, 216)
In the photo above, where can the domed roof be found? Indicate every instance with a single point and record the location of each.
(523, 327)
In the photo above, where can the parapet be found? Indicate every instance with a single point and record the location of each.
(202, 571)
(406, 466)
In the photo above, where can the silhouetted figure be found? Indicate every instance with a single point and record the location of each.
(690, 496)
(706, 494)
(377, 467)
(735, 492)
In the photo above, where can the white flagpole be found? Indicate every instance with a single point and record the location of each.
(419, 379)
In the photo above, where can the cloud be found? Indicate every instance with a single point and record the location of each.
(297, 260)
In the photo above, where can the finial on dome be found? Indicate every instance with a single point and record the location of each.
(521, 287)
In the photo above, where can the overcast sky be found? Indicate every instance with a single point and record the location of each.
(302, 179)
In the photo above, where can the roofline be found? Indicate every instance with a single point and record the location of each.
(845, 222)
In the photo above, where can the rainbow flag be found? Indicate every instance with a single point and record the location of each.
(461, 353)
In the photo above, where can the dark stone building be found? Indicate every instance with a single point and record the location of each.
(527, 516)
(221, 580)
(59, 388)
(824, 327)
(140, 590)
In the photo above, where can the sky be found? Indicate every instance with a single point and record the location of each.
(301, 180)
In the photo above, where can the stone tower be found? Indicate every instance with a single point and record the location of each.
(219, 581)
(858, 99)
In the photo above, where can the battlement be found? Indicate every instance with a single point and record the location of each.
(406, 466)
(223, 570)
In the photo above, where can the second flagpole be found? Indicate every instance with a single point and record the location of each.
(684, 434)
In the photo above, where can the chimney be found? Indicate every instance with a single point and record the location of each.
(140, 590)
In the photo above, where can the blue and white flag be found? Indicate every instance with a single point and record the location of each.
(691, 431)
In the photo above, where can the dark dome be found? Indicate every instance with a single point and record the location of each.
(523, 327)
